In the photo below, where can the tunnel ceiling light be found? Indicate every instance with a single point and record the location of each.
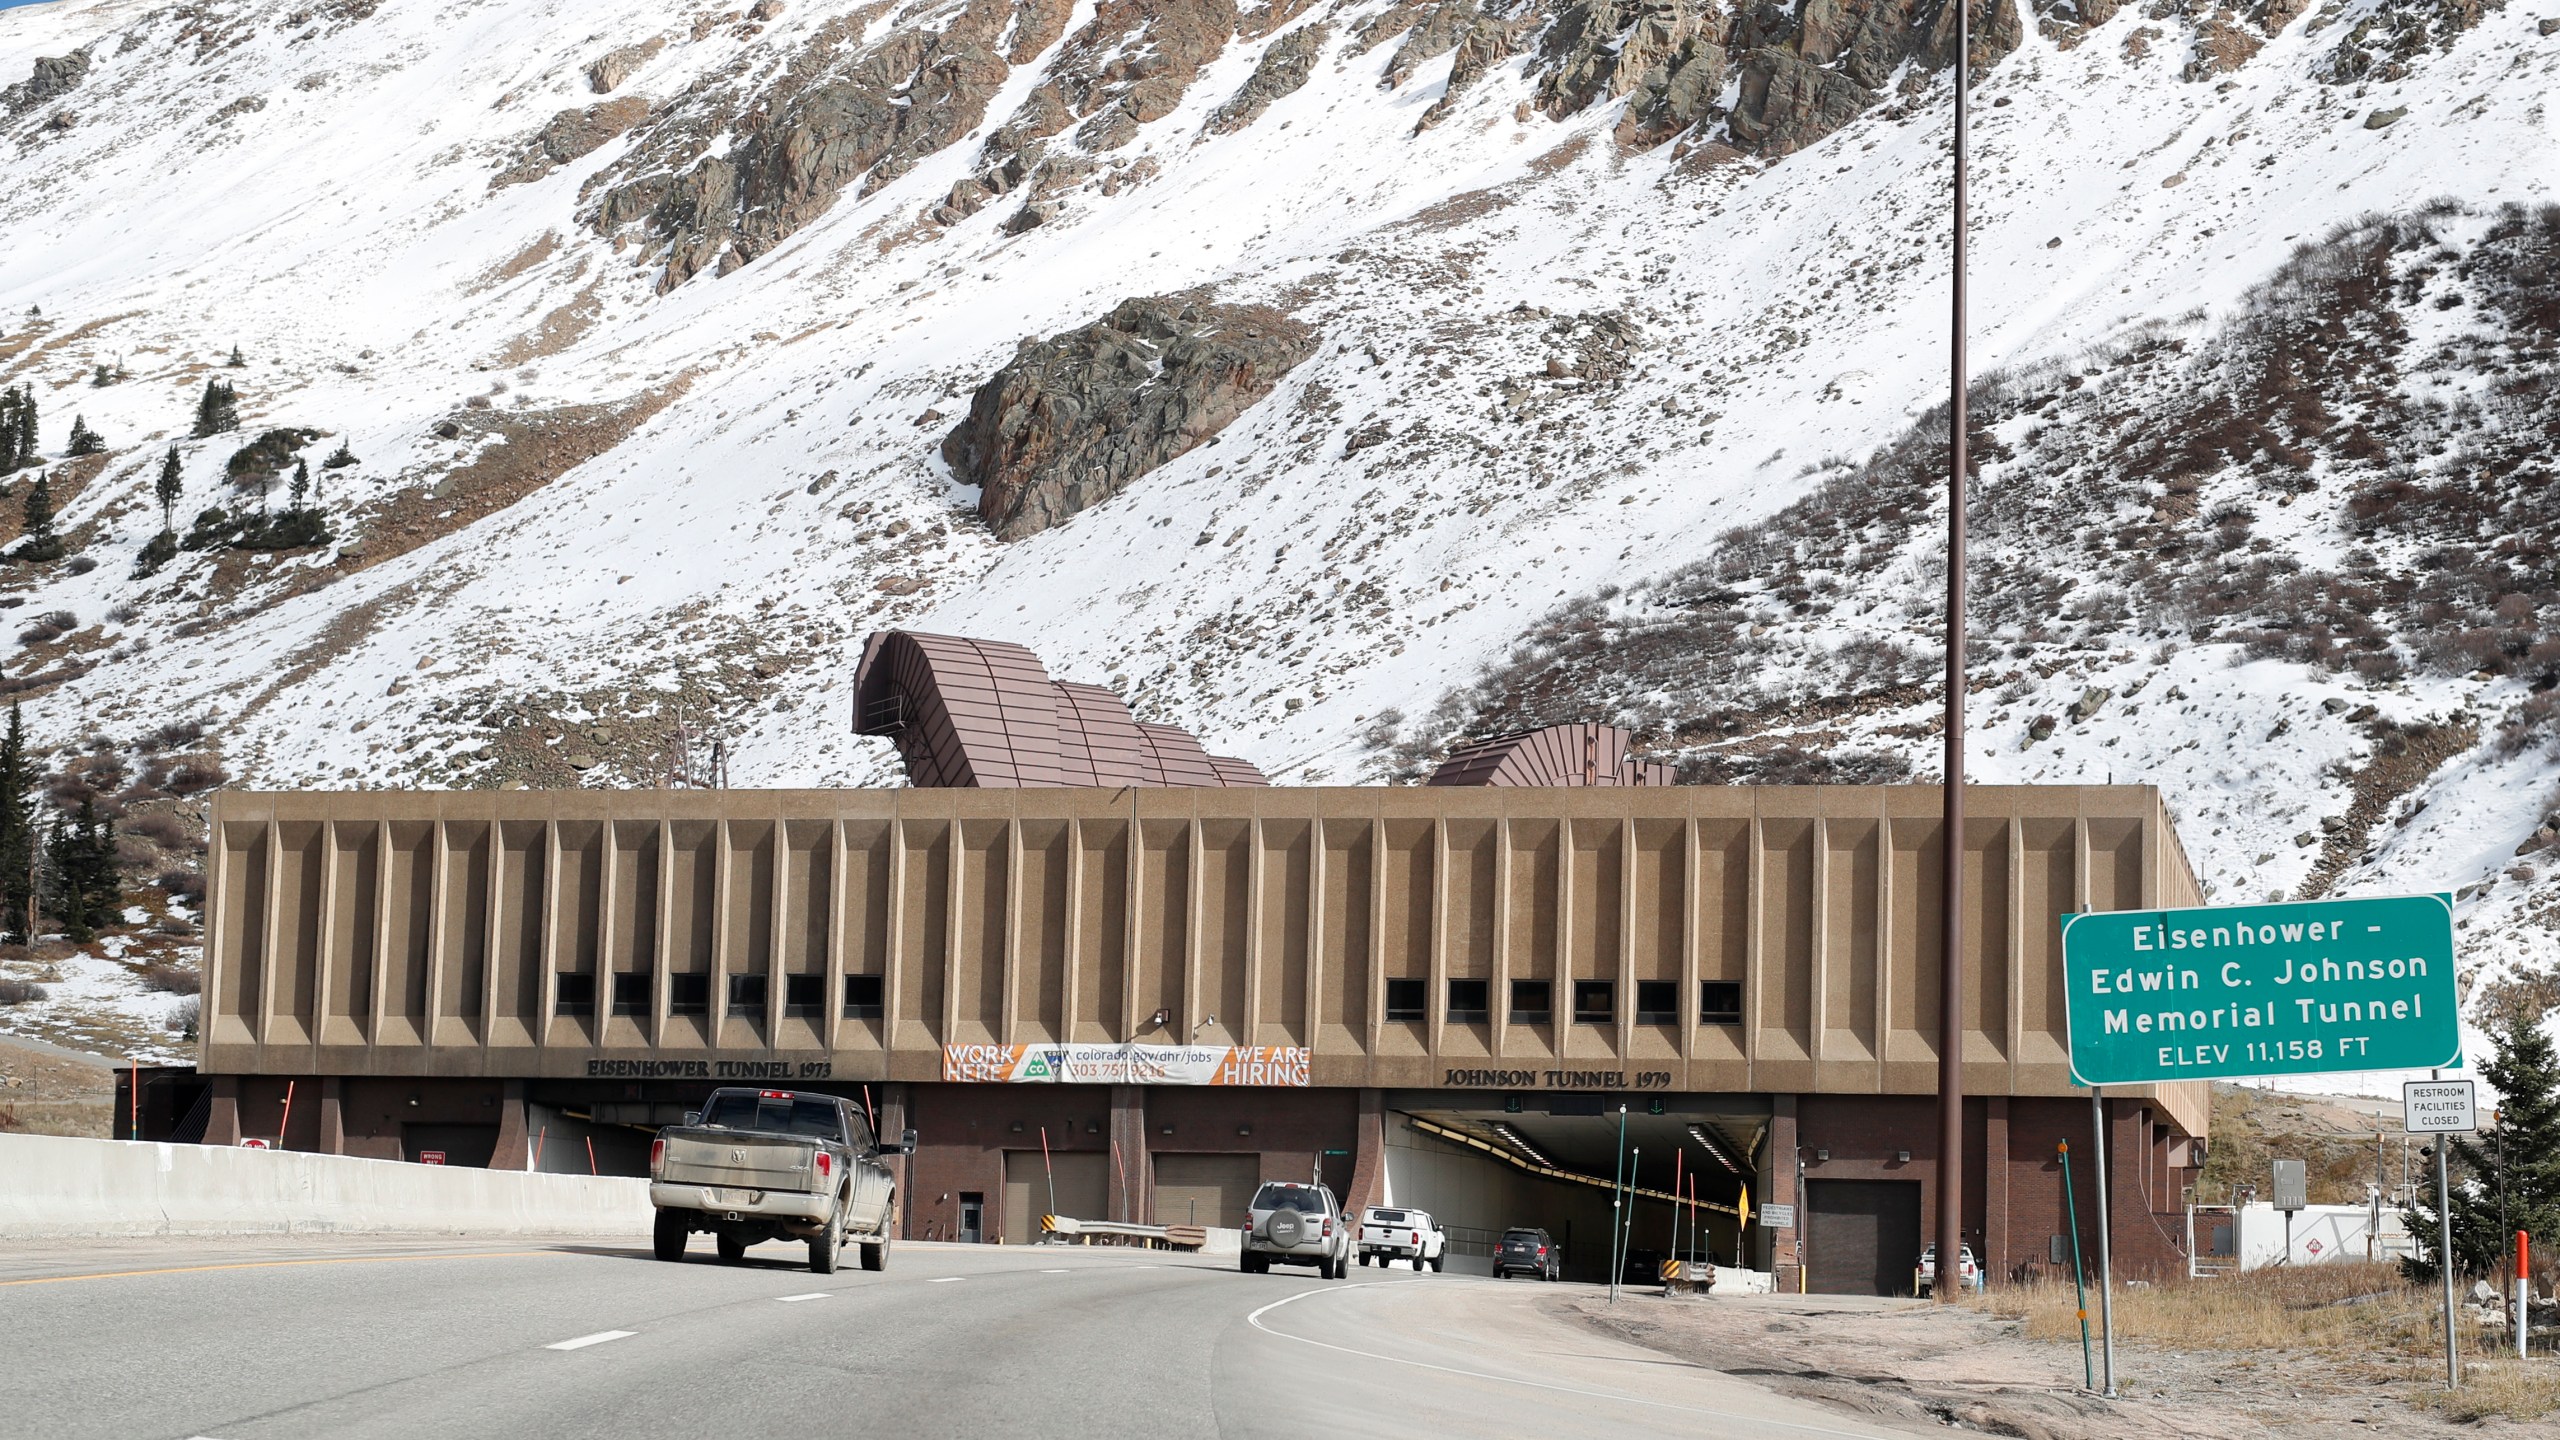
(1708, 1143)
(1521, 1144)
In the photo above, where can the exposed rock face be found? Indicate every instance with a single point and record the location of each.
(55, 76)
(1601, 49)
(573, 134)
(1786, 103)
(1134, 62)
(1434, 35)
(1803, 71)
(1487, 43)
(2381, 45)
(1283, 70)
(609, 71)
(1076, 417)
(824, 126)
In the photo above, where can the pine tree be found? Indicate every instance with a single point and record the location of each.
(237, 361)
(26, 426)
(17, 834)
(37, 509)
(171, 485)
(2507, 1178)
(9, 403)
(61, 882)
(301, 486)
(219, 411)
(340, 458)
(96, 891)
(84, 441)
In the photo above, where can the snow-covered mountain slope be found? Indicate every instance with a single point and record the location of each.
(646, 325)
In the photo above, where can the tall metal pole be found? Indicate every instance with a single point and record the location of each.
(2106, 1252)
(2444, 1266)
(1950, 1277)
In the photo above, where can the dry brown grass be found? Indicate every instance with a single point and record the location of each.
(2349, 1309)
(2497, 1390)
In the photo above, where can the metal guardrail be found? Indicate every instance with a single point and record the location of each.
(1067, 1229)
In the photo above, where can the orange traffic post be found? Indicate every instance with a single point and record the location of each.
(2524, 1291)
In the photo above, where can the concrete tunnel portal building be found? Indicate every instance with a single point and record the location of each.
(1435, 996)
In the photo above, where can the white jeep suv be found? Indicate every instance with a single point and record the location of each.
(1293, 1224)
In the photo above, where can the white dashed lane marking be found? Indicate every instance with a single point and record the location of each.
(943, 1280)
(812, 1295)
(598, 1338)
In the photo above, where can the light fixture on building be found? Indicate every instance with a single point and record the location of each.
(1902, 1157)
(1168, 1130)
(1160, 1019)
(1017, 1127)
(1244, 1129)
(1821, 1155)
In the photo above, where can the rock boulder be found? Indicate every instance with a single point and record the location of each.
(1075, 418)
(55, 76)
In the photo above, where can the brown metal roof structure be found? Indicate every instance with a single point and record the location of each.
(1556, 755)
(984, 714)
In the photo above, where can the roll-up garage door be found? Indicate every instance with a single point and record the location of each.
(1082, 1179)
(1210, 1190)
(1864, 1236)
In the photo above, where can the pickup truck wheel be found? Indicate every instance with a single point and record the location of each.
(822, 1250)
(875, 1254)
(1417, 1262)
(733, 1248)
(669, 1237)
(1439, 1262)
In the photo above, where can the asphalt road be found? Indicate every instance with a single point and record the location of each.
(341, 1337)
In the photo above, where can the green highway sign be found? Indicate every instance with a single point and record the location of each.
(2299, 989)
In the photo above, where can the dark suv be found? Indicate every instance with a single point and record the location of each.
(1527, 1252)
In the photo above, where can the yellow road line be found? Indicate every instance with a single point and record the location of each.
(278, 1264)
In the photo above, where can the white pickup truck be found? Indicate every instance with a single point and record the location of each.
(1391, 1234)
(775, 1164)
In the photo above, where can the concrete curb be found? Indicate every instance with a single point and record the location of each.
(63, 1187)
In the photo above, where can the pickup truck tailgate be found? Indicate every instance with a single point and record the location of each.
(736, 1160)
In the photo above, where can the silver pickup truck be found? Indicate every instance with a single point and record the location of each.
(757, 1165)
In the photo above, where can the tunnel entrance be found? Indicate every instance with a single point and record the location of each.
(1484, 1164)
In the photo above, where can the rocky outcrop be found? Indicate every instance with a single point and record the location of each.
(1601, 49)
(55, 76)
(1076, 417)
(1487, 43)
(1786, 103)
(1283, 70)
(2381, 45)
(608, 72)
(826, 125)
(1135, 62)
(1432, 36)
(1797, 72)
(573, 135)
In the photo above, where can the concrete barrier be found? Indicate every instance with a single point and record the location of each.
(55, 1186)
